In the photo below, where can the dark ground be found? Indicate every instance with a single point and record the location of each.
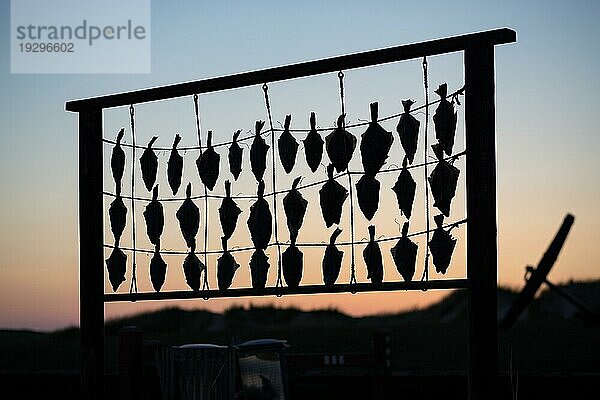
(549, 344)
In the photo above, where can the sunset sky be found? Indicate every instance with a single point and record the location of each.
(547, 88)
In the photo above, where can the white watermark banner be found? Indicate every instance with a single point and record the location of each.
(80, 36)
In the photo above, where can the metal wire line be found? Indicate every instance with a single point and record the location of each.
(281, 191)
(266, 132)
(362, 242)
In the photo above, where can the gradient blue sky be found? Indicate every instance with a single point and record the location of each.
(547, 140)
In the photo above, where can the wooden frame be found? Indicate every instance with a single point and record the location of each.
(481, 281)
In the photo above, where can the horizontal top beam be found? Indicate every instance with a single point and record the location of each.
(308, 68)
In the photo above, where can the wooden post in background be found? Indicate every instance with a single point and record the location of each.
(91, 255)
(131, 363)
(482, 263)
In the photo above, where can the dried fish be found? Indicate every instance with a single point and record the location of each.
(287, 146)
(192, 269)
(445, 120)
(258, 152)
(367, 192)
(149, 165)
(117, 160)
(158, 270)
(228, 212)
(208, 164)
(313, 145)
(443, 181)
(375, 144)
(292, 261)
(340, 145)
(294, 206)
(332, 261)
(373, 258)
(404, 254)
(188, 216)
(118, 216)
(116, 266)
(155, 218)
(226, 267)
(441, 245)
(405, 189)
(408, 129)
(235, 156)
(259, 268)
(332, 197)
(260, 220)
(175, 166)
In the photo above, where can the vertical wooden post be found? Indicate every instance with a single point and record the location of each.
(482, 260)
(91, 255)
(131, 362)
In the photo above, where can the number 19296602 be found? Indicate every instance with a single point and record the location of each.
(36, 47)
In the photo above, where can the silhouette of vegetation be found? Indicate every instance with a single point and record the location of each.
(428, 339)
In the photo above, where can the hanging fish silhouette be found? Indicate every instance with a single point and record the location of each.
(259, 268)
(331, 197)
(149, 165)
(155, 218)
(228, 212)
(313, 145)
(208, 164)
(367, 192)
(444, 120)
(175, 166)
(188, 216)
(340, 145)
(192, 269)
(405, 189)
(375, 144)
(332, 261)
(258, 152)
(260, 220)
(408, 129)
(287, 146)
(226, 267)
(441, 245)
(373, 258)
(116, 266)
(292, 261)
(443, 181)
(118, 216)
(158, 270)
(235, 156)
(294, 206)
(117, 160)
(404, 254)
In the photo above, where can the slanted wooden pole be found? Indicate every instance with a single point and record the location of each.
(482, 263)
(91, 255)
(292, 71)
